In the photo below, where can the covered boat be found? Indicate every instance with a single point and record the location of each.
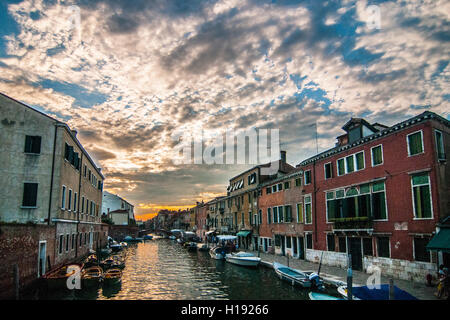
(219, 252)
(245, 259)
(292, 275)
(381, 293)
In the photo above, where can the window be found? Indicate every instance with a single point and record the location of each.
(421, 196)
(439, 145)
(377, 155)
(307, 177)
(298, 182)
(288, 213)
(33, 144)
(275, 215)
(69, 206)
(379, 201)
(420, 251)
(309, 241)
(73, 241)
(367, 247)
(342, 244)
(299, 213)
(280, 214)
(80, 236)
(359, 160)
(350, 165)
(269, 215)
(67, 242)
(328, 171)
(308, 214)
(415, 143)
(242, 218)
(277, 240)
(280, 186)
(82, 204)
(268, 190)
(29, 194)
(383, 247)
(331, 245)
(274, 188)
(85, 171)
(75, 199)
(61, 240)
(63, 198)
(341, 167)
(287, 185)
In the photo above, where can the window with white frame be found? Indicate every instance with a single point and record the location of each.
(307, 177)
(63, 197)
(377, 155)
(439, 145)
(308, 209)
(415, 143)
(328, 170)
(421, 190)
(300, 213)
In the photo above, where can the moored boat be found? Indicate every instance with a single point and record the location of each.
(219, 252)
(57, 278)
(245, 259)
(112, 276)
(191, 246)
(321, 296)
(291, 275)
(148, 237)
(92, 276)
(90, 261)
(202, 247)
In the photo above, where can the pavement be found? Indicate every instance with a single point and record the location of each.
(338, 276)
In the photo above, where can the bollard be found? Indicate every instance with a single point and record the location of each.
(391, 289)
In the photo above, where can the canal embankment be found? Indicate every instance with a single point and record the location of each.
(337, 276)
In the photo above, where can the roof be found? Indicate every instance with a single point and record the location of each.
(119, 211)
(358, 121)
(283, 167)
(425, 116)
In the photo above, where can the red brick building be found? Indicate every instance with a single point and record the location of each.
(379, 195)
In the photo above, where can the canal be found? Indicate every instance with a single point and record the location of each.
(164, 270)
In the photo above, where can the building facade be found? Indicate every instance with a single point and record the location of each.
(112, 202)
(49, 179)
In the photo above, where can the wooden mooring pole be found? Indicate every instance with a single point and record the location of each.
(17, 281)
(349, 278)
(391, 289)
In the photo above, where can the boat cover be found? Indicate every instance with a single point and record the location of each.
(365, 293)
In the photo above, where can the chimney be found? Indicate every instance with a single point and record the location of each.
(74, 132)
(283, 156)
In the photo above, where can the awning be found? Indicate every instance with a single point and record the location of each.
(243, 233)
(441, 241)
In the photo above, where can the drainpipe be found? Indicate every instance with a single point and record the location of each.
(78, 204)
(315, 202)
(52, 177)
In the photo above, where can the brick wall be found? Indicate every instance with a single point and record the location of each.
(19, 244)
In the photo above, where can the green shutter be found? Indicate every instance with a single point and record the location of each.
(415, 143)
(377, 156)
(350, 164)
(359, 161)
(341, 168)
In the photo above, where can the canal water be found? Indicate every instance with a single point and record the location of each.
(164, 270)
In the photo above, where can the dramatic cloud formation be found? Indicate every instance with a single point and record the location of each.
(129, 74)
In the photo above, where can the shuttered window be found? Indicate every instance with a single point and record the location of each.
(29, 194)
(33, 144)
(422, 196)
(377, 155)
(415, 145)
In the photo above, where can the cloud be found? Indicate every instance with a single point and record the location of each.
(132, 73)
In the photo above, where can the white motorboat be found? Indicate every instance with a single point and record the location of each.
(245, 259)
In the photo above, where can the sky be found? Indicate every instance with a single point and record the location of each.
(130, 75)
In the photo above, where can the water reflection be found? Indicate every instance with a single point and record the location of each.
(164, 270)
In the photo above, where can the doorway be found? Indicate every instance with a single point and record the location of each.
(301, 248)
(42, 258)
(354, 245)
(294, 245)
(283, 246)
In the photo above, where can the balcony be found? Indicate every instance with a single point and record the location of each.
(352, 223)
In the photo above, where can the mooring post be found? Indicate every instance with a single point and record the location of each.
(17, 281)
(349, 278)
(287, 257)
(391, 289)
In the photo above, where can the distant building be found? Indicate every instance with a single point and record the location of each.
(115, 203)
